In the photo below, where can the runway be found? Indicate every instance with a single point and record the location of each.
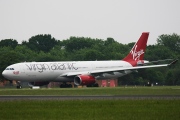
(104, 97)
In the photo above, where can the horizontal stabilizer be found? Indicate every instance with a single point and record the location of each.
(173, 62)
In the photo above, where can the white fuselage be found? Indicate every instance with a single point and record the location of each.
(84, 72)
(56, 71)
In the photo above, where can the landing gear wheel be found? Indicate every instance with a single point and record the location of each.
(64, 85)
(70, 86)
(18, 85)
(96, 85)
(93, 85)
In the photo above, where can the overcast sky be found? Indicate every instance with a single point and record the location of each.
(123, 20)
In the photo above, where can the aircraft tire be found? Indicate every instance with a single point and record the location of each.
(19, 87)
(93, 85)
(89, 85)
(70, 85)
(96, 85)
(61, 86)
(65, 86)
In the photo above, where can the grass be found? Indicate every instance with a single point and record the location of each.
(163, 90)
(90, 110)
(142, 109)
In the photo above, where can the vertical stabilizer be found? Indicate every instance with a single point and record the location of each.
(137, 52)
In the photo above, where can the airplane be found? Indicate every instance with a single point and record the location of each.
(80, 72)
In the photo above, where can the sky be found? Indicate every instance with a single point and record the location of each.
(123, 20)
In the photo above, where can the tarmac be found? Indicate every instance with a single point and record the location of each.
(104, 97)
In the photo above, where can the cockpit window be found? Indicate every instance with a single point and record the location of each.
(9, 68)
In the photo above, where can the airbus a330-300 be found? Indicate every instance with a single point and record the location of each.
(80, 72)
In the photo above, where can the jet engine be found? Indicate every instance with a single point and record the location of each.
(84, 80)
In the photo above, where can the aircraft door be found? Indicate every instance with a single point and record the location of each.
(22, 71)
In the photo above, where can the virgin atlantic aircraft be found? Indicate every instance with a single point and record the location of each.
(80, 72)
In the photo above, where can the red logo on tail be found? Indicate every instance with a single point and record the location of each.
(136, 54)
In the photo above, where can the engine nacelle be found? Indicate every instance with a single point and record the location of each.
(37, 83)
(84, 80)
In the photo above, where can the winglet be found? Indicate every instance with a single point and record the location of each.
(173, 62)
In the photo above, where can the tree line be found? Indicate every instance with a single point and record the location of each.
(44, 47)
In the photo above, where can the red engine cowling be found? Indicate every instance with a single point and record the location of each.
(84, 80)
(37, 83)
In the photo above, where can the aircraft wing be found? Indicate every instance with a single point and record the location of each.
(116, 69)
(158, 61)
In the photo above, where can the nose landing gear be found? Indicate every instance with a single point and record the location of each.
(18, 85)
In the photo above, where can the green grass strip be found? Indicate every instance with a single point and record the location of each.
(90, 110)
(166, 90)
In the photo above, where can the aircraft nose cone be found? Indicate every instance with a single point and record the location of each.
(4, 73)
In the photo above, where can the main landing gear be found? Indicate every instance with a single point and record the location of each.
(18, 85)
(93, 85)
(64, 85)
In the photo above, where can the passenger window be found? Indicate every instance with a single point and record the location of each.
(9, 68)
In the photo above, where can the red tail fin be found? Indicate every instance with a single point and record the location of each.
(137, 52)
